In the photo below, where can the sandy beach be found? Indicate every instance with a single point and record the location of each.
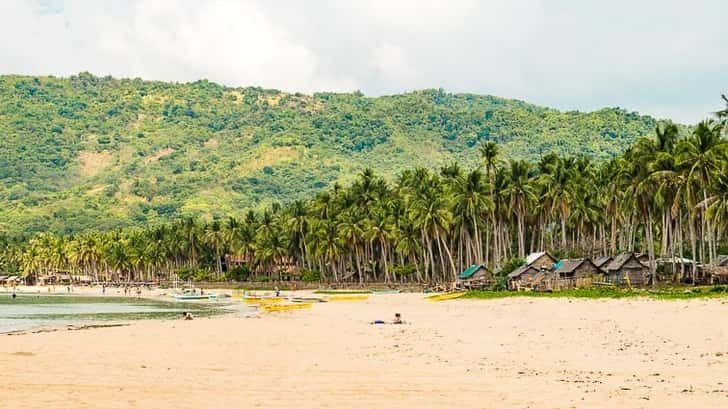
(506, 353)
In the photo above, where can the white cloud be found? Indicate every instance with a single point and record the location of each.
(391, 63)
(658, 56)
(229, 42)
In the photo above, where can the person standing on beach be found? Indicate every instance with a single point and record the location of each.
(278, 292)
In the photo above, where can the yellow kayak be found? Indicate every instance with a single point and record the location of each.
(446, 296)
(348, 298)
(263, 300)
(284, 307)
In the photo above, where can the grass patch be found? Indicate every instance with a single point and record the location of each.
(664, 293)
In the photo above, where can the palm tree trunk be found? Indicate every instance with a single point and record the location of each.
(449, 256)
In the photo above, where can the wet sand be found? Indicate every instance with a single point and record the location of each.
(507, 353)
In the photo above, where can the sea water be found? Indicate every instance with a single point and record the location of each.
(32, 311)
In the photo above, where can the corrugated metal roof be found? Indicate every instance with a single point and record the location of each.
(470, 271)
(533, 257)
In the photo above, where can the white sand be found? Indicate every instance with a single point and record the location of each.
(519, 353)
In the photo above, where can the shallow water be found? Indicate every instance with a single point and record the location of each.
(30, 311)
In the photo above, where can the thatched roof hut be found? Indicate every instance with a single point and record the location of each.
(527, 276)
(719, 270)
(541, 260)
(576, 273)
(627, 269)
(522, 277)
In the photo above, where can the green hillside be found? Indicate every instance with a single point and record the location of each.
(90, 152)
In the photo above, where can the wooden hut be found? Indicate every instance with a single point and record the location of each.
(577, 273)
(541, 260)
(522, 277)
(719, 270)
(476, 276)
(627, 269)
(527, 276)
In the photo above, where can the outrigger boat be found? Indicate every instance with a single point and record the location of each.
(446, 296)
(307, 299)
(186, 297)
(285, 307)
(385, 292)
(263, 300)
(348, 297)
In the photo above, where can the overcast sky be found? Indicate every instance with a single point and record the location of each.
(661, 57)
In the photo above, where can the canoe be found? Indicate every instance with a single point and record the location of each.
(385, 292)
(446, 296)
(284, 307)
(348, 298)
(307, 299)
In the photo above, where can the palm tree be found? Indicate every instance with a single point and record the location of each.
(701, 154)
(329, 244)
(351, 229)
(214, 237)
(471, 204)
(521, 193)
(298, 225)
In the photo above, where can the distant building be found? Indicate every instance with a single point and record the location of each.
(477, 276)
(719, 270)
(627, 269)
(577, 273)
(527, 276)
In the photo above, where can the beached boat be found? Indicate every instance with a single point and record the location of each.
(385, 292)
(307, 299)
(263, 300)
(446, 296)
(348, 297)
(187, 297)
(285, 307)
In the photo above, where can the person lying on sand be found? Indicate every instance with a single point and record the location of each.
(397, 320)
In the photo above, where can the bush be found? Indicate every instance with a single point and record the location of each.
(202, 275)
(510, 266)
(239, 273)
(185, 273)
(310, 276)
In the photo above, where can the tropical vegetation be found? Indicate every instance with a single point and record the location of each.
(666, 196)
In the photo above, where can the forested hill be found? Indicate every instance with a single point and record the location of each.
(90, 152)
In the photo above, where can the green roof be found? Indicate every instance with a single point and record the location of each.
(470, 271)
